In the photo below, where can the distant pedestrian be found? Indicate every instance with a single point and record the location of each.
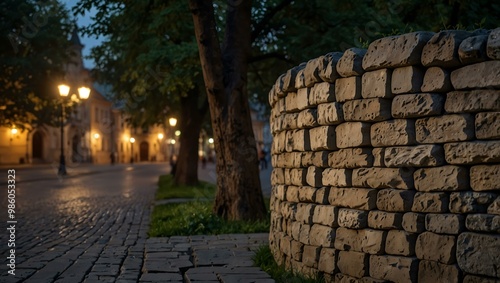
(203, 162)
(173, 165)
(112, 158)
(262, 159)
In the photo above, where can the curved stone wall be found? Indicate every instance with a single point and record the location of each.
(387, 161)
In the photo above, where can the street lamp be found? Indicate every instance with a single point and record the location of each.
(132, 140)
(172, 122)
(160, 154)
(84, 93)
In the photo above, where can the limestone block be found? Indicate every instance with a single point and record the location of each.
(319, 159)
(395, 200)
(393, 132)
(298, 140)
(444, 178)
(414, 156)
(314, 176)
(336, 177)
(473, 49)
(327, 260)
(377, 84)
(306, 159)
(367, 110)
(322, 195)
(298, 177)
(307, 194)
(440, 248)
(323, 138)
(278, 87)
(290, 121)
(407, 80)
(430, 202)
(330, 113)
(296, 250)
(479, 75)
(310, 256)
(272, 97)
(353, 134)
(488, 125)
(297, 159)
(350, 64)
(325, 215)
(295, 229)
(277, 176)
(311, 71)
(485, 177)
(352, 263)
(378, 157)
(302, 99)
(348, 89)
(291, 102)
(493, 44)
(279, 191)
(473, 101)
(351, 158)
(381, 178)
(372, 280)
(285, 245)
(328, 67)
(483, 223)
(417, 105)
(384, 220)
(431, 271)
(304, 233)
(436, 80)
(478, 254)
(479, 279)
(352, 218)
(396, 51)
(300, 79)
(289, 78)
(308, 118)
(471, 202)
(323, 236)
(446, 128)
(394, 268)
(444, 223)
(472, 152)
(355, 198)
(414, 222)
(279, 142)
(400, 243)
(322, 93)
(366, 240)
(442, 49)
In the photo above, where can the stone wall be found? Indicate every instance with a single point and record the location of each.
(387, 161)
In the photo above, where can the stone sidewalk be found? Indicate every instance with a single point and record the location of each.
(220, 258)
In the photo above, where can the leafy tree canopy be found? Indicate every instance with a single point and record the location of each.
(32, 58)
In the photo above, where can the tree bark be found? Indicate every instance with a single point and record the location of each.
(239, 194)
(190, 124)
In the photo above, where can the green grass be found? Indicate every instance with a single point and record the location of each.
(167, 190)
(263, 258)
(196, 218)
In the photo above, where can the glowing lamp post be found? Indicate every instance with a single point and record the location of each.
(132, 140)
(84, 93)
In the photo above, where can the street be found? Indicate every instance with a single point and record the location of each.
(91, 224)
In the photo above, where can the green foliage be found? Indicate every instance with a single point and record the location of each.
(31, 61)
(167, 189)
(263, 258)
(196, 218)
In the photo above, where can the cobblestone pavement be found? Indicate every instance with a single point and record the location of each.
(221, 258)
(91, 226)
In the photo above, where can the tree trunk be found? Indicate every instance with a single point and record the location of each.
(239, 194)
(190, 124)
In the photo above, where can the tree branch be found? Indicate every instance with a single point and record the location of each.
(259, 27)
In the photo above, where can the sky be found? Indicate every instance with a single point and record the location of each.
(88, 42)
